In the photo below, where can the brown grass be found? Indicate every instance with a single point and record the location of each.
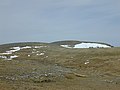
(62, 69)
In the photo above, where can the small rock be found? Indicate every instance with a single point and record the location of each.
(80, 75)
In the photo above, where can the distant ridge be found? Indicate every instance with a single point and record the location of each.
(65, 43)
(74, 42)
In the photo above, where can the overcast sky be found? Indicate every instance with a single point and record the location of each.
(53, 20)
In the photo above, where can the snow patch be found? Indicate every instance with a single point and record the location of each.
(33, 52)
(11, 51)
(10, 58)
(28, 55)
(66, 46)
(6, 53)
(91, 45)
(46, 56)
(40, 54)
(3, 57)
(87, 45)
(14, 56)
(26, 47)
(87, 62)
(39, 47)
(38, 51)
(14, 49)
(34, 49)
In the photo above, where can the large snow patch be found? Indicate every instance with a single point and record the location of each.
(87, 45)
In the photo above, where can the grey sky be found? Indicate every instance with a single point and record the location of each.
(51, 20)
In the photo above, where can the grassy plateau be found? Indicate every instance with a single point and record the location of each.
(48, 66)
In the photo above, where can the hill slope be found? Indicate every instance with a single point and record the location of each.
(44, 66)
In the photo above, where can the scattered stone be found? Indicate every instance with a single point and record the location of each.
(87, 62)
(80, 75)
(28, 55)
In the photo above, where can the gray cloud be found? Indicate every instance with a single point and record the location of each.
(50, 20)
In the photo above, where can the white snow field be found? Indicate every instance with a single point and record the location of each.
(87, 45)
